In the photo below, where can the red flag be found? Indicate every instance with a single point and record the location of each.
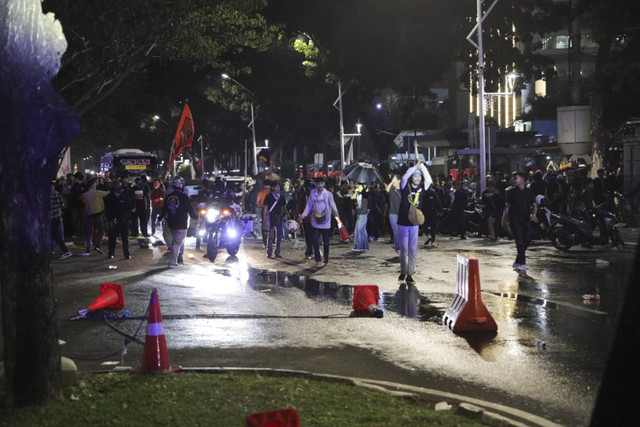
(184, 134)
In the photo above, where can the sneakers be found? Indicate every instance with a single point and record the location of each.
(65, 255)
(410, 280)
(522, 267)
(319, 264)
(174, 266)
(269, 256)
(100, 251)
(84, 253)
(516, 265)
(401, 277)
(278, 256)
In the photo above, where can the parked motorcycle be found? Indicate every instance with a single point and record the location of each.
(540, 228)
(567, 231)
(220, 227)
(475, 220)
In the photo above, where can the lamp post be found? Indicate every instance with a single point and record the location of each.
(252, 125)
(481, 127)
(342, 134)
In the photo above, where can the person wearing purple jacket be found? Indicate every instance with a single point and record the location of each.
(320, 205)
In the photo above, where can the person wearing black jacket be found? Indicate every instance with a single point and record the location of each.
(521, 209)
(458, 205)
(431, 206)
(274, 206)
(117, 208)
(493, 204)
(177, 209)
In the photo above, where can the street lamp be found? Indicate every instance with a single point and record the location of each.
(252, 125)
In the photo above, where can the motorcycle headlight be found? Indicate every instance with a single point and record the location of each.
(212, 214)
(201, 232)
(232, 232)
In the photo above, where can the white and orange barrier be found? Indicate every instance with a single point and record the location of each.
(467, 312)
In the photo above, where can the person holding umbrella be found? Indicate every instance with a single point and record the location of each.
(413, 186)
(320, 205)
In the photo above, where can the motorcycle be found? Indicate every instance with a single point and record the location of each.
(541, 227)
(566, 231)
(475, 220)
(220, 227)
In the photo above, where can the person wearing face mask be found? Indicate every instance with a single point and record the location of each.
(118, 207)
(413, 186)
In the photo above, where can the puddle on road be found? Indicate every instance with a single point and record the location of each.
(406, 301)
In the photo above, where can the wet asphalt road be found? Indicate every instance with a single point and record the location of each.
(547, 357)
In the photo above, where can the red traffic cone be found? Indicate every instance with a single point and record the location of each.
(111, 296)
(281, 418)
(344, 234)
(156, 356)
(365, 300)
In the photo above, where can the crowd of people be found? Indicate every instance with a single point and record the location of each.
(87, 208)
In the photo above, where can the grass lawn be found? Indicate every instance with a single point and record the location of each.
(223, 399)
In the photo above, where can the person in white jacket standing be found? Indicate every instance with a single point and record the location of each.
(320, 205)
(413, 186)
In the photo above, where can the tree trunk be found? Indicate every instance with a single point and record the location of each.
(599, 137)
(37, 125)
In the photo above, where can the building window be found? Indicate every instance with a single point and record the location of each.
(562, 42)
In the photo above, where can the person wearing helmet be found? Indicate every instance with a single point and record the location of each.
(177, 209)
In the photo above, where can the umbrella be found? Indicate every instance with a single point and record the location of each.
(268, 175)
(362, 172)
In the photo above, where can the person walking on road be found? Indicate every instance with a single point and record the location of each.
(264, 228)
(118, 206)
(307, 229)
(55, 219)
(520, 210)
(177, 208)
(413, 185)
(157, 200)
(393, 188)
(320, 205)
(93, 201)
(274, 205)
(360, 235)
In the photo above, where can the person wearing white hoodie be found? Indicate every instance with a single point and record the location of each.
(413, 186)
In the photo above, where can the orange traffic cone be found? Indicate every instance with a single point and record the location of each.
(344, 234)
(156, 356)
(365, 300)
(281, 418)
(467, 312)
(111, 296)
